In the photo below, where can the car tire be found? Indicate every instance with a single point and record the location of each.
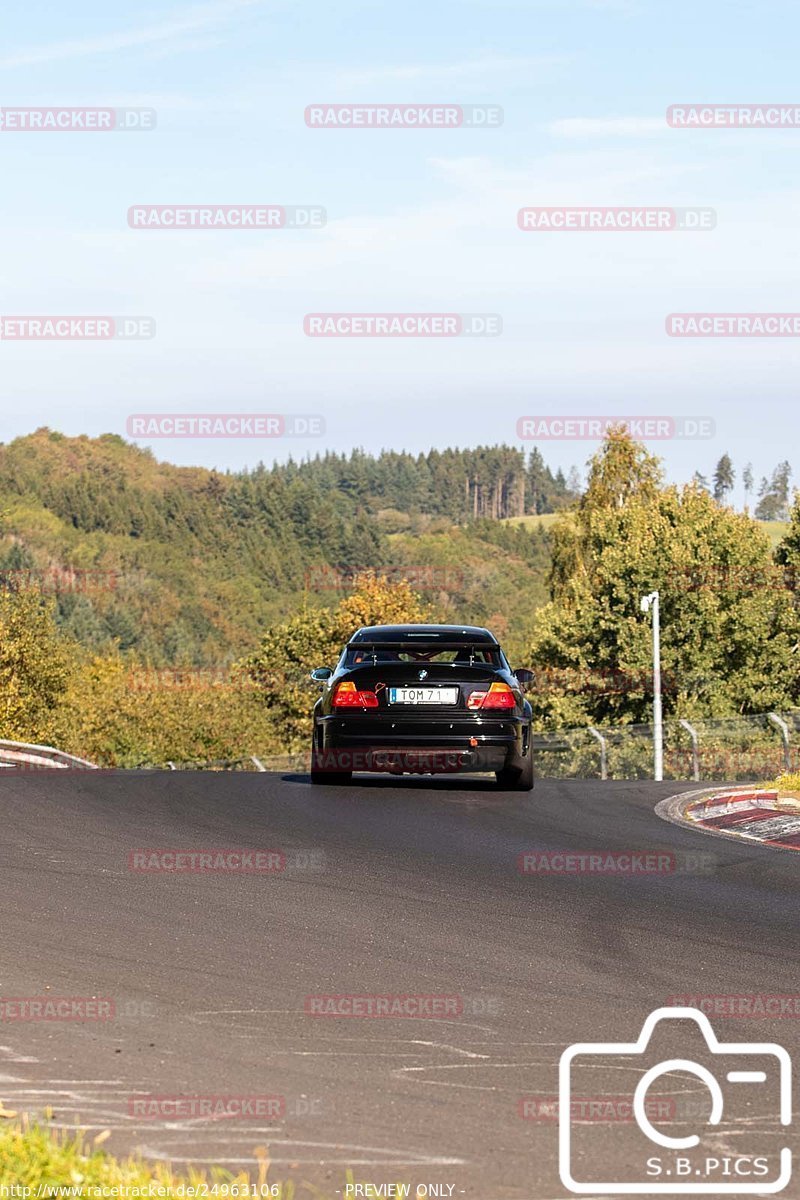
(321, 776)
(331, 777)
(516, 779)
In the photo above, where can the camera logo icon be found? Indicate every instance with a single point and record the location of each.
(675, 1161)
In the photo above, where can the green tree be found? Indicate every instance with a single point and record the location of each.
(788, 552)
(314, 638)
(747, 480)
(35, 665)
(773, 503)
(727, 634)
(621, 469)
(724, 478)
(119, 713)
(787, 556)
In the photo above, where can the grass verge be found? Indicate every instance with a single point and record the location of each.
(54, 1164)
(788, 786)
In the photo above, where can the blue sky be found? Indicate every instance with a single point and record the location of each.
(417, 220)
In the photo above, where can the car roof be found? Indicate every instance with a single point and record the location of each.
(468, 634)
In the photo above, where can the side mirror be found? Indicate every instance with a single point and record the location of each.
(524, 677)
(321, 674)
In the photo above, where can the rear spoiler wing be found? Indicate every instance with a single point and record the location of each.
(406, 645)
(473, 647)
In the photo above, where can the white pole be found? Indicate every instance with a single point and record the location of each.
(603, 756)
(692, 732)
(780, 724)
(658, 731)
(658, 727)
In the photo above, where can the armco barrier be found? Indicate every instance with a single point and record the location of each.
(27, 756)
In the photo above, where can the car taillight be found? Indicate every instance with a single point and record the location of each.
(347, 695)
(499, 695)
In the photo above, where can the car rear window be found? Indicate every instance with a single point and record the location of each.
(462, 655)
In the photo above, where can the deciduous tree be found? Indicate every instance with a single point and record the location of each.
(727, 630)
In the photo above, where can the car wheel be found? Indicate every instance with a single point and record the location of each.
(320, 775)
(330, 777)
(516, 779)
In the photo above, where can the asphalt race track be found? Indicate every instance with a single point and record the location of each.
(409, 888)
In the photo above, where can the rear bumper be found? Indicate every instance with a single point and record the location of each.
(432, 746)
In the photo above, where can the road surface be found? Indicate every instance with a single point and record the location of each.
(389, 889)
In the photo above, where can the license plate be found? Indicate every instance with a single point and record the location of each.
(423, 695)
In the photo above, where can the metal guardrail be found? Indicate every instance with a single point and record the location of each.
(752, 747)
(33, 757)
(297, 761)
(757, 746)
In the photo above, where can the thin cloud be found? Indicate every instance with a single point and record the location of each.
(193, 20)
(470, 69)
(621, 127)
(623, 7)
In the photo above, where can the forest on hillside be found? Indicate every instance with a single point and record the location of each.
(162, 642)
(183, 566)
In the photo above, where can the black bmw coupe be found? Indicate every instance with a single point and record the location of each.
(422, 699)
